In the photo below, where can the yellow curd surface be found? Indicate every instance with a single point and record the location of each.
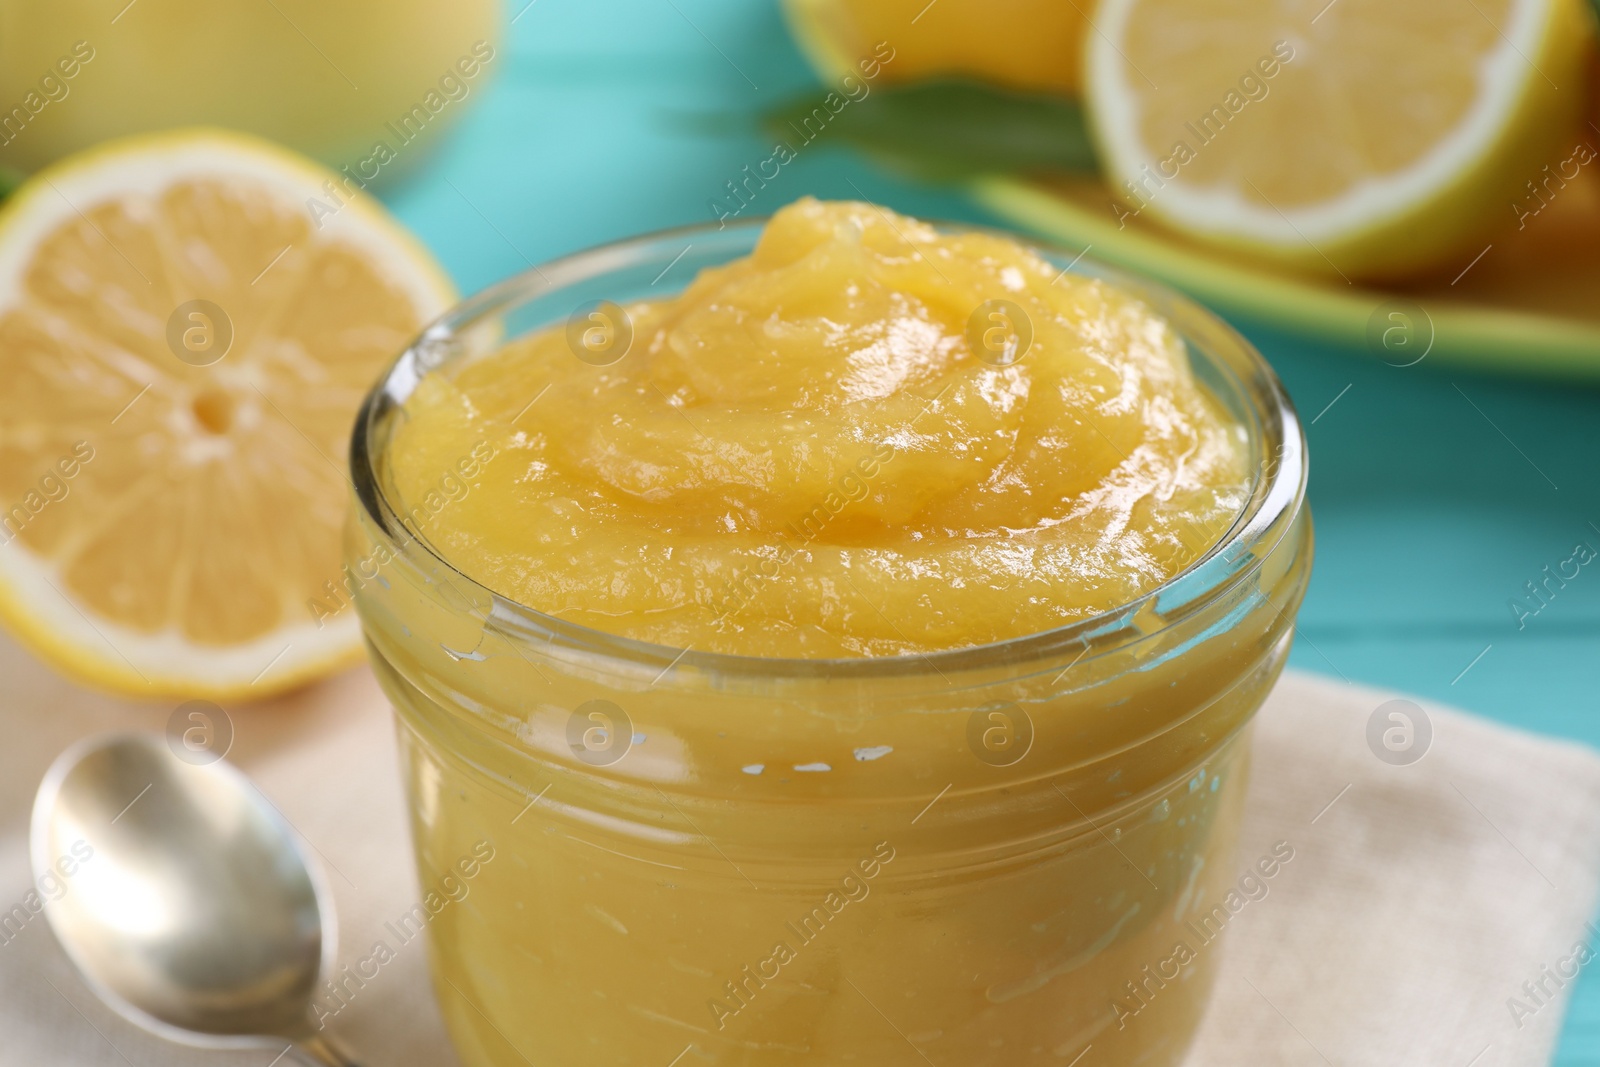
(821, 452)
(831, 448)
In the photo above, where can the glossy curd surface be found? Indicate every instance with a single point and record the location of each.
(866, 438)
(869, 799)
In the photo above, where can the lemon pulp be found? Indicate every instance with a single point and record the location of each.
(184, 348)
(1357, 140)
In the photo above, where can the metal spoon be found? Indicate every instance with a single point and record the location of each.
(196, 914)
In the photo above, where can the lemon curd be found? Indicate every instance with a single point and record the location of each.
(851, 655)
(803, 454)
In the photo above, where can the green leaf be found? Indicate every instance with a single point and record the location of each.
(946, 130)
(9, 180)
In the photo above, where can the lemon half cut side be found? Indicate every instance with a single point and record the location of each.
(188, 322)
(1362, 138)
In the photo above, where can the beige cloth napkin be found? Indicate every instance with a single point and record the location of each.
(1419, 900)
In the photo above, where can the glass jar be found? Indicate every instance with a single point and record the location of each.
(996, 856)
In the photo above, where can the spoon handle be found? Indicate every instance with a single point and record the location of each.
(326, 1052)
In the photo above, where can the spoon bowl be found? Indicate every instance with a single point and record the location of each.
(189, 904)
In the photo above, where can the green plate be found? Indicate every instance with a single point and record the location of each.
(1530, 315)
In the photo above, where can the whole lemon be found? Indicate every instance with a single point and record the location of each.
(333, 80)
(1032, 45)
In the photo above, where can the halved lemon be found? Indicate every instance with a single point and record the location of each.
(188, 322)
(1354, 138)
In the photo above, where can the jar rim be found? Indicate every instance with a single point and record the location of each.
(1274, 431)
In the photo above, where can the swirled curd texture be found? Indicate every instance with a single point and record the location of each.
(805, 454)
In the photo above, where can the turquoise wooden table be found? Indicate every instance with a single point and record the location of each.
(1437, 495)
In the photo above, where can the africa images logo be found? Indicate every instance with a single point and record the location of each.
(853, 887)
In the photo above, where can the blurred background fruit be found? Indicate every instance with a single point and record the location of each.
(1021, 44)
(328, 79)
